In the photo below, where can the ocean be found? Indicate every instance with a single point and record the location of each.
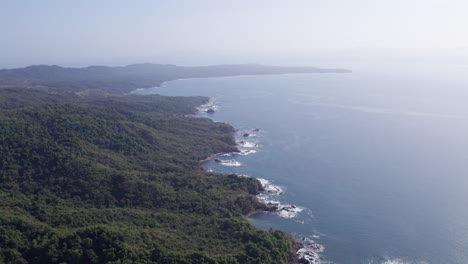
(375, 161)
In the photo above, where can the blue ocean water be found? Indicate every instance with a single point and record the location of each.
(378, 159)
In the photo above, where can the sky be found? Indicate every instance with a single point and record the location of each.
(199, 32)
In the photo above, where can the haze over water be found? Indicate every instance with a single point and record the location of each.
(378, 158)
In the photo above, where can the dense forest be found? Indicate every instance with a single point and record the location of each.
(98, 178)
(128, 78)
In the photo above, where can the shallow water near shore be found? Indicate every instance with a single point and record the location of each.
(377, 159)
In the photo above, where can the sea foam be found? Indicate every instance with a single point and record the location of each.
(384, 260)
(210, 105)
(269, 195)
(247, 144)
(229, 163)
(309, 250)
(242, 152)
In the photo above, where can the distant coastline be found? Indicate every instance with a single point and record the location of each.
(226, 76)
(121, 80)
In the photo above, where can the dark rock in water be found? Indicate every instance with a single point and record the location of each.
(210, 111)
(255, 130)
(309, 250)
(275, 190)
(270, 207)
(303, 260)
(246, 134)
(289, 208)
(242, 142)
(217, 160)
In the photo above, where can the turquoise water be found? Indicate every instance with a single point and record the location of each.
(377, 159)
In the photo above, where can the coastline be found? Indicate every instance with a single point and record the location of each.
(306, 250)
(211, 157)
(320, 71)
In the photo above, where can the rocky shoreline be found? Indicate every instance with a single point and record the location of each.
(307, 250)
(213, 156)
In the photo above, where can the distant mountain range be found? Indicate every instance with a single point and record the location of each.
(127, 78)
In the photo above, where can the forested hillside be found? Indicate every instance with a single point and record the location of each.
(117, 179)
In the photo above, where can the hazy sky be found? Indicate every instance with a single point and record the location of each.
(230, 31)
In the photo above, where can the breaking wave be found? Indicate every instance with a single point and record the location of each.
(242, 152)
(229, 163)
(382, 260)
(268, 197)
(309, 250)
(211, 105)
(247, 144)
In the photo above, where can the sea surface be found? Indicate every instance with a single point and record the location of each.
(376, 160)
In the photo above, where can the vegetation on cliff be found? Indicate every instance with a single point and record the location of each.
(116, 179)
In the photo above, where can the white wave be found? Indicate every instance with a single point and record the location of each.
(401, 261)
(394, 261)
(229, 163)
(210, 105)
(263, 181)
(242, 175)
(270, 189)
(243, 152)
(285, 211)
(309, 250)
(137, 90)
(289, 211)
(247, 144)
(248, 133)
(268, 198)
